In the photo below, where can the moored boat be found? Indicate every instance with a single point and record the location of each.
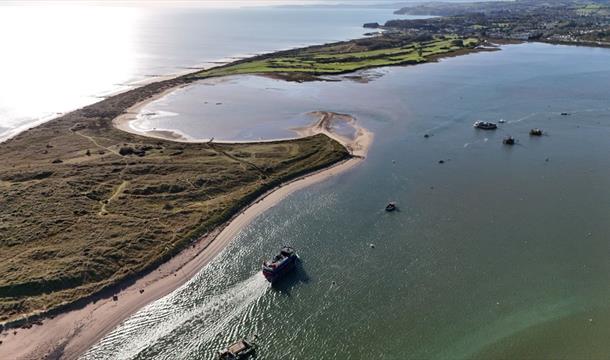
(281, 264)
(536, 132)
(485, 125)
(240, 350)
(509, 140)
(390, 207)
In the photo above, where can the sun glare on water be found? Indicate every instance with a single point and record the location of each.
(60, 54)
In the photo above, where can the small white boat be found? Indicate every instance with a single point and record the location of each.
(485, 125)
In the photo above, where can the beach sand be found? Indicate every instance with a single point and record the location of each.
(70, 334)
(123, 121)
(357, 144)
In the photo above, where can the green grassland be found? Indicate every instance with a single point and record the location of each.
(346, 57)
(593, 9)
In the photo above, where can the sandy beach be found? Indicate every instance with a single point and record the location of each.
(123, 121)
(70, 334)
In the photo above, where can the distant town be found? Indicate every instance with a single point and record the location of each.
(563, 21)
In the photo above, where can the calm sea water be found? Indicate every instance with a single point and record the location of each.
(57, 57)
(499, 252)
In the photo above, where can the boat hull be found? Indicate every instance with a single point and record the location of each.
(482, 125)
(277, 273)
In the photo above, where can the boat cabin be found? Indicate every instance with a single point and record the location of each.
(237, 351)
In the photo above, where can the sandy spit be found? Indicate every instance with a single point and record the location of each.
(72, 333)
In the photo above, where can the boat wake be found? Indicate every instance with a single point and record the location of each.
(204, 317)
(527, 117)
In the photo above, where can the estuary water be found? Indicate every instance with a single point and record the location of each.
(58, 56)
(497, 252)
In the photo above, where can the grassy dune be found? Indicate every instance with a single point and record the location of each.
(84, 205)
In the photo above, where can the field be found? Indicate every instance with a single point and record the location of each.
(347, 57)
(593, 10)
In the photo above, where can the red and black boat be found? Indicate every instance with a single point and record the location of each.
(281, 264)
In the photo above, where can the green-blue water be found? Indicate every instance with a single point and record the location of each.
(500, 251)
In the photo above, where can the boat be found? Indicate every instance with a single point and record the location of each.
(281, 264)
(509, 140)
(240, 350)
(485, 125)
(390, 207)
(536, 132)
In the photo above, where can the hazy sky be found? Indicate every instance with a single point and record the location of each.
(210, 3)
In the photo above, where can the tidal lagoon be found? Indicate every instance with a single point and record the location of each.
(123, 45)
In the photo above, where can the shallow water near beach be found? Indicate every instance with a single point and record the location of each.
(499, 252)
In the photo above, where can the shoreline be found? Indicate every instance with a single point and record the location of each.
(122, 121)
(71, 333)
(128, 86)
